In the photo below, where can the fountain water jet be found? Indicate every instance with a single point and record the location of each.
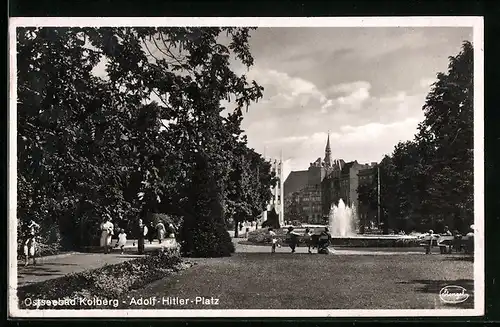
(342, 220)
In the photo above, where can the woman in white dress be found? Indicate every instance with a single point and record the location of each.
(122, 239)
(106, 233)
(161, 231)
(30, 246)
(171, 230)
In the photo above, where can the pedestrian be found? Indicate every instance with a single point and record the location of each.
(292, 238)
(122, 240)
(142, 231)
(428, 248)
(151, 233)
(448, 243)
(160, 229)
(171, 231)
(107, 231)
(469, 240)
(274, 240)
(247, 229)
(324, 241)
(30, 247)
(308, 239)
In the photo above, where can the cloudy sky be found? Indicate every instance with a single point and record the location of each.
(364, 85)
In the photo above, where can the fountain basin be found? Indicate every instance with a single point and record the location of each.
(375, 241)
(260, 236)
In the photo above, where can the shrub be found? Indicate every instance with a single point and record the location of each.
(262, 235)
(110, 281)
(210, 241)
(203, 232)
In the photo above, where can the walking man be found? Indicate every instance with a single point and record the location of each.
(142, 231)
(428, 248)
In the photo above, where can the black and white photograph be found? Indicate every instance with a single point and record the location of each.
(246, 167)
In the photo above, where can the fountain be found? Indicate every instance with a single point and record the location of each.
(343, 226)
(342, 220)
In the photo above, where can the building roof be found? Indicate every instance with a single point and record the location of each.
(347, 167)
(295, 181)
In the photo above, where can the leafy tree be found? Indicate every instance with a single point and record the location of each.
(449, 129)
(250, 184)
(428, 182)
(90, 145)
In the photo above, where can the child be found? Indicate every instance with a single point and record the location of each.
(428, 248)
(274, 240)
(308, 239)
(122, 239)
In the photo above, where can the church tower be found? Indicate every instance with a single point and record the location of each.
(328, 153)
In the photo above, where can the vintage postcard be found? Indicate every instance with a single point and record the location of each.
(246, 167)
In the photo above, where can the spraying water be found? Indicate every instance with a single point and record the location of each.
(342, 220)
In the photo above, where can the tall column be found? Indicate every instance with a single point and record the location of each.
(280, 192)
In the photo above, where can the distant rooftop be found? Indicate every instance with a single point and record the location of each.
(295, 181)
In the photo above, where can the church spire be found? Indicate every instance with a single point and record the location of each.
(328, 152)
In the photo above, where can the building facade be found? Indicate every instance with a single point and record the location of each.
(310, 194)
(366, 211)
(277, 201)
(303, 190)
(343, 184)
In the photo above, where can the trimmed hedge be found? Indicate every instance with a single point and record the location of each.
(108, 282)
(209, 240)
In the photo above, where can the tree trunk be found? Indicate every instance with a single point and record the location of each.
(361, 225)
(385, 220)
(236, 225)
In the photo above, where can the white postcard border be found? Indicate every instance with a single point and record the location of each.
(448, 21)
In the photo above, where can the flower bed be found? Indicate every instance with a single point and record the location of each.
(108, 282)
(261, 236)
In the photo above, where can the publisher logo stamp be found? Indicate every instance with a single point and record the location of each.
(453, 294)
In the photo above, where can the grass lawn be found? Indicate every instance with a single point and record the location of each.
(302, 281)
